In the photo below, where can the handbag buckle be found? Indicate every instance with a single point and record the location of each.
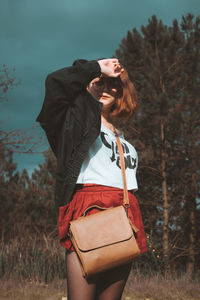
(126, 206)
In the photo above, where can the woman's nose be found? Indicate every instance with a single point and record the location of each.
(106, 87)
(109, 89)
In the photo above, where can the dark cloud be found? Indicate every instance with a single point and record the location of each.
(40, 36)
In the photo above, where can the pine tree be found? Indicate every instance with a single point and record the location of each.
(160, 62)
(8, 191)
(41, 187)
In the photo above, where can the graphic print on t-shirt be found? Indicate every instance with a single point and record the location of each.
(130, 162)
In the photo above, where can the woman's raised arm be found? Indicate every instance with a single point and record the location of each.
(61, 87)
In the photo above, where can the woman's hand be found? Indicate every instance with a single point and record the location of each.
(110, 67)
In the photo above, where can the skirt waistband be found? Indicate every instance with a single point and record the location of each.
(91, 187)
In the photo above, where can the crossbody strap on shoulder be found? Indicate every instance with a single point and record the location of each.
(122, 163)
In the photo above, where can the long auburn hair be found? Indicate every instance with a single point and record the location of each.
(127, 101)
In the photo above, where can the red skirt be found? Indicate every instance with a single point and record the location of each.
(105, 196)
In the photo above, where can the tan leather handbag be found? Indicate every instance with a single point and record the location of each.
(106, 239)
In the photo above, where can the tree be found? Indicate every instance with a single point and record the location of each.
(189, 115)
(22, 140)
(6, 81)
(13, 187)
(160, 62)
(8, 190)
(41, 188)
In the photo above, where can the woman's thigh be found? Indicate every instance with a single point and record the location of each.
(78, 288)
(108, 285)
(111, 283)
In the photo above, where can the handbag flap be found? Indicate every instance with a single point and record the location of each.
(101, 229)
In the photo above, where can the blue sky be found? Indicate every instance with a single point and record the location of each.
(40, 36)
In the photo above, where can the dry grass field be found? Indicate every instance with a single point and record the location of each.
(32, 268)
(138, 288)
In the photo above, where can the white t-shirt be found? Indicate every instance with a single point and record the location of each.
(102, 164)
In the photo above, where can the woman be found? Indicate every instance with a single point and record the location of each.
(81, 103)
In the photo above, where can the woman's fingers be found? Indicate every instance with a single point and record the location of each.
(110, 67)
(117, 66)
(118, 69)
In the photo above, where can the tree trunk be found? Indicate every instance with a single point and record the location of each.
(191, 248)
(165, 202)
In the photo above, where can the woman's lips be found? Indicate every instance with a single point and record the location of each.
(104, 97)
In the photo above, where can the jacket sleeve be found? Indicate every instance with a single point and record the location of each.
(61, 87)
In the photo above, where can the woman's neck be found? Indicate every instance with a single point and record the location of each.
(107, 123)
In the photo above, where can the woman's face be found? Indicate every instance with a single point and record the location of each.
(105, 89)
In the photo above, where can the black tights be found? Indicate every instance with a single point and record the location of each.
(105, 286)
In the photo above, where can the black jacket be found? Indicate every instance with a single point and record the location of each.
(71, 119)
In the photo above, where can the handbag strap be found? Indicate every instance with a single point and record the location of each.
(122, 163)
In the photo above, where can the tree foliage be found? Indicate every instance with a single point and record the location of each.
(26, 203)
(164, 64)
